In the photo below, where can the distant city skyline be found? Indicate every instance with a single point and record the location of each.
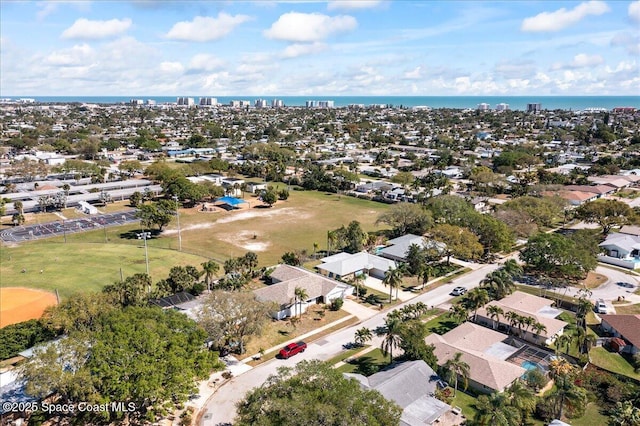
(320, 48)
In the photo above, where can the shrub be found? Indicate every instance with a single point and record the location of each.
(336, 304)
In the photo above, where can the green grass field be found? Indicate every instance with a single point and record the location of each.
(90, 260)
(613, 362)
(80, 267)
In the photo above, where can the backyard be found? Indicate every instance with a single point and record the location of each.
(613, 362)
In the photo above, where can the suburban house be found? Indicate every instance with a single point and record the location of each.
(343, 266)
(485, 351)
(525, 305)
(412, 386)
(622, 248)
(626, 327)
(398, 247)
(255, 187)
(285, 279)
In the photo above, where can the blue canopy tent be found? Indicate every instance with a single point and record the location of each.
(233, 202)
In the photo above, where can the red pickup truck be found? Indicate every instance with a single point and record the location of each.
(292, 348)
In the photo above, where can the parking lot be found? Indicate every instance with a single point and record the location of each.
(63, 227)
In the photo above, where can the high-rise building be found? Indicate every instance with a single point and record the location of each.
(185, 101)
(483, 107)
(534, 107)
(277, 103)
(502, 107)
(206, 101)
(136, 102)
(310, 104)
(261, 103)
(325, 104)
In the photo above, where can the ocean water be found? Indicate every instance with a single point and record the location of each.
(456, 102)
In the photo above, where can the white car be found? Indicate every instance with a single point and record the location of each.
(601, 307)
(458, 291)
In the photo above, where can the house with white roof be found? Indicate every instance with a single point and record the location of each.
(622, 248)
(344, 266)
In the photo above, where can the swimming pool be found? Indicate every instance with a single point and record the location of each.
(530, 365)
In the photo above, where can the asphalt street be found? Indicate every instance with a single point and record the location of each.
(67, 226)
(220, 409)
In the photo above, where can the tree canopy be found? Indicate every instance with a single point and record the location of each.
(460, 242)
(145, 356)
(606, 213)
(314, 393)
(406, 218)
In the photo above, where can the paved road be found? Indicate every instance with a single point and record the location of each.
(220, 409)
(58, 228)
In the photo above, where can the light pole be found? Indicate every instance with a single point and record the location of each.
(175, 198)
(144, 236)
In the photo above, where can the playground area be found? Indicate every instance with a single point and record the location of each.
(21, 304)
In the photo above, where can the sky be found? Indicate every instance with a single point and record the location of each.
(302, 48)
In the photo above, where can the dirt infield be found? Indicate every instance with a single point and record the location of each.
(22, 304)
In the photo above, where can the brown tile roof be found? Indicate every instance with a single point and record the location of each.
(627, 325)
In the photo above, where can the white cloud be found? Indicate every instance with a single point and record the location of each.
(301, 49)
(581, 60)
(352, 4)
(171, 67)
(75, 55)
(631, 42)
(205, 28)
(515, 69)
(414, 74)
(634, 11)
(86, 29)
(562, 18)
(205, 62)
(48, 7)
(309, 27)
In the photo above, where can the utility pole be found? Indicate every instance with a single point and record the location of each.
(175, 198)
(144, 236)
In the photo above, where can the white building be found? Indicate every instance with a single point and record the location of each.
(483, 107)
(502, 107)
(185, 101)
(261, 103)
(277, 103)
(206, 101)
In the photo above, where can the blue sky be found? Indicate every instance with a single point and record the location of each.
(289, 48)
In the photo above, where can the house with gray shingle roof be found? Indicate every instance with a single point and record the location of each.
(285, 279)
(398, 247)
(623, 249)
(412, 386)
(343, 266)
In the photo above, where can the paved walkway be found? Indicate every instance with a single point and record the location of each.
(376, 284)
(358, 310)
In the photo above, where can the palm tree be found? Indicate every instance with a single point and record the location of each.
(477, 298)
(362, 336)
(500, 283)
(458, 312)
(210, 269)
(512, 268)
(391, 335)
(564, 340)
(513, 319)
(539, 328)
(456, 367)
(425, 274)
(528, 322)
(300, 295)
(522, 398)
(315, 249)
(19, 207)
(357, 280)
(494, 410)
(392, 278)
(494, 312)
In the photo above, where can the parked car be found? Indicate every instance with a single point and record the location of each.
(458, 291)
(292, 348)
(601, 307)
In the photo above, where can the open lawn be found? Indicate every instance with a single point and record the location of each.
(441, 324)
(294, 224)
(613, 362)
(277, 332)
(592, 416)
(628, 309)
(593, 280)
(367, 364)
(466, 402)
(80, 267)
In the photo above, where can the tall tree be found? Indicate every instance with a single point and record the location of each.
(494, 410)
(393, 279)
(406, 218)
(456, 368)
(391, 336)
(460, 242)
(606, 213)
(300, 295)
(494, 312)
(230, 318)
(314, 394)
(476, 299)
(209, 268)
(362, 336)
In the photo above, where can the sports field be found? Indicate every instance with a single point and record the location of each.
(22, 304)
(90, 260)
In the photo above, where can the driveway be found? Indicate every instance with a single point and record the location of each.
(611, 290)
(220, 408)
